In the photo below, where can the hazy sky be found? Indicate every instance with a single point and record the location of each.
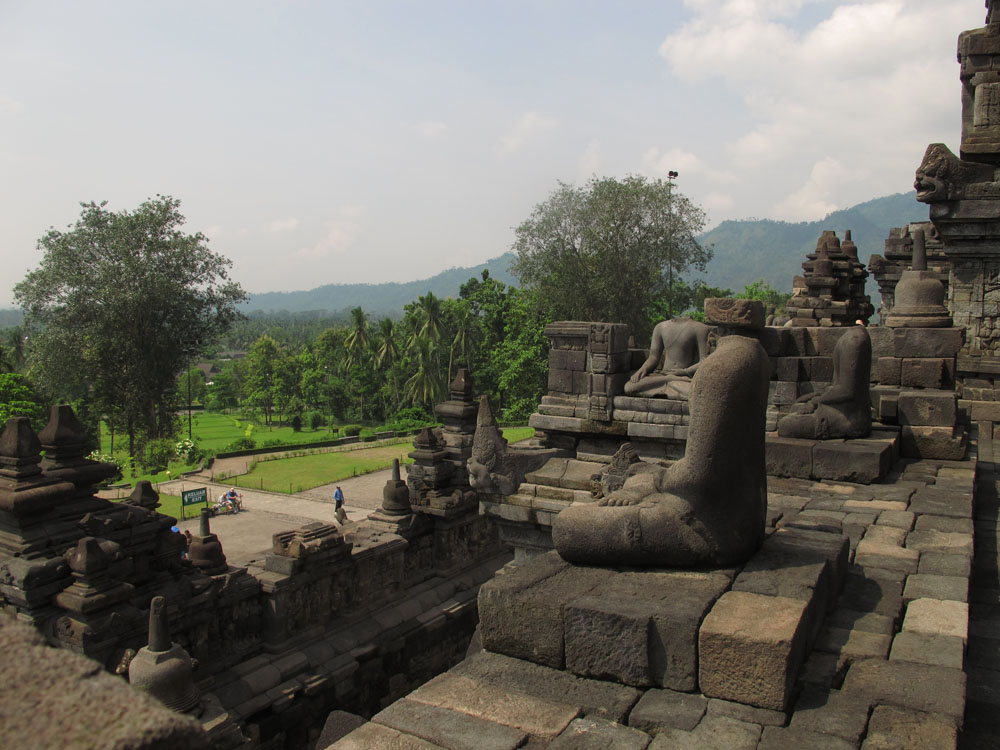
(368, 141)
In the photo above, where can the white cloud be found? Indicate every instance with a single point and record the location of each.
(717, 203)
(215, 231)
(340, 235)
(529, 126)
(282, 225)
(10, 105)
(862, 92)
(589, 163)
(431, 128)
(812, 200)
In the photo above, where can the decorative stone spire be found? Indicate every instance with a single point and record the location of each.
(163, 668)
(395, 494)
(144, 495)
(205, 551)
(65, 442)
(919, 297)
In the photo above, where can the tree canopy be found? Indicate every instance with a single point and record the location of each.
(117, 308)
(607, 250)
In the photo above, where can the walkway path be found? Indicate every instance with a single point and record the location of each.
(247, 536)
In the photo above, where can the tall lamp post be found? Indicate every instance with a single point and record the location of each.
(671, 176)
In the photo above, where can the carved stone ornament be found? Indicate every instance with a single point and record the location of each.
(735, 313)
(942, 176)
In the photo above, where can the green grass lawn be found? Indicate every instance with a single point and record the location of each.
(291, 475)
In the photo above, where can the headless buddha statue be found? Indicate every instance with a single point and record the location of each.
(844, 410)
(708, 508)
(682, 343)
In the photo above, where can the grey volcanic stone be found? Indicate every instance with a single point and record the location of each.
(521, 610)
(667, 709)
(750, 648)
(708, 507)
(711, 734)
(338, 724)
(892, 728)
(451, 729)
(917, 687)
(793, 738)
(599, 734)
(593, 697)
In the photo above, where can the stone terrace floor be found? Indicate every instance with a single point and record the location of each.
(982, 711)
(912, 543)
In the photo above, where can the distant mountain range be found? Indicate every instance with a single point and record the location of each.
(752, 249)
(378, 299)
(744, 251)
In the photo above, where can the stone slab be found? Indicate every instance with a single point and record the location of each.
(831, 712)
(641, 627)
(883, 555)
(592, 697)
(521, 609)
(932, 442)
(378, 737)
(944, 564)
(931, 540)
(860, 461)
(788, 457)
(751, 647)
(941, 503)
(713, 733)
(537, 716)
(446, 728)
(917, 687)
(924, 648)
(927, 342)
(598, 734)
(667, 709)
(926, 586)
(892, 728)
(793, 738)
(937, 617)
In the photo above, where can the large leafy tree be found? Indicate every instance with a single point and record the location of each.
(606, 250)
(119, 304)
(18, 399)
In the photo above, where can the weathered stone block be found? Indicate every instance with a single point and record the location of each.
(521, 610)
(863, 462)
(927, 408)
(658, 613)
(592, 697)
(782, 392)
(937, 617)
(788, 457)
(713, 732)
(912, 686)
(927, 342)
(888, 556)
(780, 738)
(667, 709)
(926, 372)
(539, 717)
(944, 564)
(789, 369)
(892, 728)
(941, 503)
(751, 647)
(596, 734)
(930, 540)
(560, 381)
(447, 728)
(888, 370)
(931, 442)
(371, 736)
(831, 713)
(924, 648)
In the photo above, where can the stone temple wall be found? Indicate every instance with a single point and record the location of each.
(328, 621)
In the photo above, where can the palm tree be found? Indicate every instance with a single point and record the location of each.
(423, 387)
(462, 342)
(357, 344)
(388, 353)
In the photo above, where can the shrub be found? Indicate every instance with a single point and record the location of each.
(314, 419)
(186, 451)
(241, 444)
(156, 454)
(350, 430)
(296, 423)
(109, 459)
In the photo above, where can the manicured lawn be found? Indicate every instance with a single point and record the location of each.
(291, 475)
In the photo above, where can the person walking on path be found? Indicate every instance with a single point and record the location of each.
(338, 505)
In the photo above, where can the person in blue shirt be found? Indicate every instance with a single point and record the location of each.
(338, 504)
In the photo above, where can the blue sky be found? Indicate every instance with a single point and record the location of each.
(337, 142)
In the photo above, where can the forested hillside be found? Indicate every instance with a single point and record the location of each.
(379, 299)
(774, 250)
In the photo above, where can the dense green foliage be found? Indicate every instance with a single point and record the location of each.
(18, 399)
(119, 305)
(607, 250)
